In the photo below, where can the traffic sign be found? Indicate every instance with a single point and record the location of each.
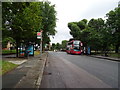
(39, 35)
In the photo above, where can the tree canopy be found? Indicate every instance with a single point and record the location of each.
(99, 34)
(22, 21)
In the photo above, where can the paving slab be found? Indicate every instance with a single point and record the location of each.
(34, 75)
(27, 75)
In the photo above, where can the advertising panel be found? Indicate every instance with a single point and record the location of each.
(30, 50)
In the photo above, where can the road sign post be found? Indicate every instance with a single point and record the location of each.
(39, 36)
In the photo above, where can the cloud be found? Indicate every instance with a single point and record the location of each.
(76, 10)
(99, 9)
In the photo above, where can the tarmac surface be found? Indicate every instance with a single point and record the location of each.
(29, 72)
(60, 73)
(79, 71)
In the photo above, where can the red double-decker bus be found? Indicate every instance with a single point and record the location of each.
(74, 47)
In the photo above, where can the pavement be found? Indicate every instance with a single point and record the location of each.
(31, 71)
(27, 75)
(103, 57)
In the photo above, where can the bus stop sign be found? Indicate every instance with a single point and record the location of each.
(39, 35)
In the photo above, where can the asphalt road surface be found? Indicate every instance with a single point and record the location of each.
(79, 71)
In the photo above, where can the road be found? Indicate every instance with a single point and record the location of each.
(79, 71)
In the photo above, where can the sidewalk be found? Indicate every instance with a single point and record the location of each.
(108, 58)
(31, 73)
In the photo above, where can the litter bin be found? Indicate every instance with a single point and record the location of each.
(27, 53)
(22, 54)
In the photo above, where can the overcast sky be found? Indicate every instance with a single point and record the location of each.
(76, 10)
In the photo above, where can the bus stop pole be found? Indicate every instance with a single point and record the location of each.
(41, 46)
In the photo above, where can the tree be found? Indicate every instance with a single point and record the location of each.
(98, 33)
(79, 30)
(91, 33)
(63, 45)
(84, 33)
(11, 11)
(25, 19)
(75, 30)
(32, 21)
(58, 46)
(113, 22)
(53, 46)
(96, 27)
(48, 20)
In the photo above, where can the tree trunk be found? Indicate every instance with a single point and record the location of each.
(16, 49)
(116, 48)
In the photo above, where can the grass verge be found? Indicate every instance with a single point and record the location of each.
(113, 55)
(8, 51)
(37, 52)
(6, 66)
